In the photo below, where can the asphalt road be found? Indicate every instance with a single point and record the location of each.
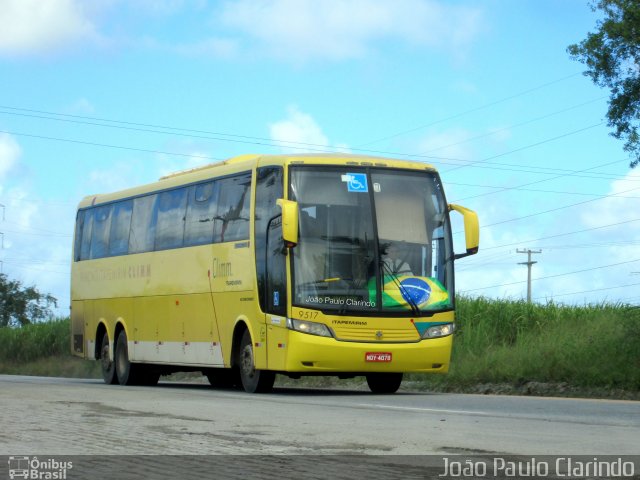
(85, 417)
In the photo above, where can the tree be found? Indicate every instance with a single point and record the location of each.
(612, 57)
(22, 305)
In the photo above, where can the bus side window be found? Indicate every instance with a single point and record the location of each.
(172, 206)
(85, 242)
(77, 242)
(120, 226)
(100, 232)
(232, 218)
(201, 212)
(143, 224)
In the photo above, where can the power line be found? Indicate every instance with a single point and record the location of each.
(443, 160)
(105, 145)
(523, 217)
(589, 291)
(554, 209)
(466, 112)
(564, 135)
(562, 234)
(214, 158)
(539, 190)
(275, 143)
(555, 276)
(35, 234)
(511, 127)
(538, 181)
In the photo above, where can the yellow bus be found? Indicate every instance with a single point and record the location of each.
(269, 264)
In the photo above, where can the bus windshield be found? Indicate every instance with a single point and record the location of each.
(371, 241)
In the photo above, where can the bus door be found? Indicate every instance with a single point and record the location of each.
(271, 262)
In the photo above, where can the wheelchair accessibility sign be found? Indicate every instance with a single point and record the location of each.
(356, 182)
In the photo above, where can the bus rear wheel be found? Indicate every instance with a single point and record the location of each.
(108, 367)
(131, 373)
(384, 382)
(124, 369)
(253, 380)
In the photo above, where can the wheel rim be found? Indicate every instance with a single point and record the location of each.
(106, 363)
(121, 361)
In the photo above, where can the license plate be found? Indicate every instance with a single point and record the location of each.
(377, 357)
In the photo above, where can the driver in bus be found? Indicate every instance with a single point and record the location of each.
(394, 263)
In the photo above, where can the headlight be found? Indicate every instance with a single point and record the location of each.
(439, 331)
(311, 328)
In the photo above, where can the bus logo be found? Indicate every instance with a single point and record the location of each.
(18, 467)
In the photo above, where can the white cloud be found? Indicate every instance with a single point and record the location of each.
(37, 26)
(82, 106)
(298, 127)
(621, 205)
(303, 30)
(10, 152)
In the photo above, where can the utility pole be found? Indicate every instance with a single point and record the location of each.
(529, 264)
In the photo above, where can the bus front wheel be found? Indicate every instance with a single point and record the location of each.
(384, 382)
(253, 380)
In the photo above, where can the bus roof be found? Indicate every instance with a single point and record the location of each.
(248, 162)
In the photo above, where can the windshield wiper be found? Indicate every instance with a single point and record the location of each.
(405, 293)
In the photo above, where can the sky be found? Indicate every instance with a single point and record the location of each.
(103, 95)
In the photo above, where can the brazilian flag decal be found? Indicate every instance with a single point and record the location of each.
(403, 291)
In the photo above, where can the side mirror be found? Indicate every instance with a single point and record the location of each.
(289, 222)
(471, 230)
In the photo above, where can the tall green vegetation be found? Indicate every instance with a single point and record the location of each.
(35, 341)
(497, 342)
(514, 342)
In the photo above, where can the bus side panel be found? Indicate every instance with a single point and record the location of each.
(77, 329)
(232, 277)
(200, 333)
(146, 320)
(278, 342)
(176, 329)
(90, 328)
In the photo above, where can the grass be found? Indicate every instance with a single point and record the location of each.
(512, 342)
(500, 346)
(42, 349)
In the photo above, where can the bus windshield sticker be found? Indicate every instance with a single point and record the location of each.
(356, 182)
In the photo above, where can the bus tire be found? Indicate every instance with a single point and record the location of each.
(253, 380)
(384, 382)
(125, 370)
(108, 367)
